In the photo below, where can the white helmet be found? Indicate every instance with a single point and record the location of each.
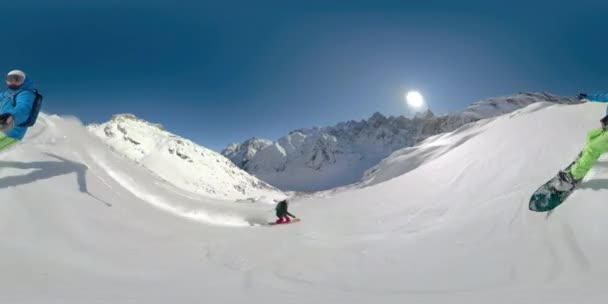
(16, 76)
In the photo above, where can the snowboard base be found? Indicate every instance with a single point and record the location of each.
(547, 198)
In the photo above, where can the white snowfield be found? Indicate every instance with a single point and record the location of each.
(455, 228)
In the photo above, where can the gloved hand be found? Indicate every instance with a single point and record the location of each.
(581, 96)
(604, 122)
(7, 122)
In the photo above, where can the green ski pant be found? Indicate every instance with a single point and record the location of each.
(6, 142)
(596, 145)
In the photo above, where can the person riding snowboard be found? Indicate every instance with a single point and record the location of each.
(596, 145)
(282, 213)
(19, 107)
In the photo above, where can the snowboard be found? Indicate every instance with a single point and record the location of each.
(546, 198)
(292, 221)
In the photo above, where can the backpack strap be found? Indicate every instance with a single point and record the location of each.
(33, 116)
(14, 97)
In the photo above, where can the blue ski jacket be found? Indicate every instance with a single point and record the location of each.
(22, 108)
(600, 97)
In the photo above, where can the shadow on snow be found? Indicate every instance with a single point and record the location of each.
(46, 170)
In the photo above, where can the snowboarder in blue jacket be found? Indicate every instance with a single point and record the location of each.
(17, 108)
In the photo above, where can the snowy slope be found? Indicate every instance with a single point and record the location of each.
(453, 230)
(325, 158)
(180, 161)
(408, 159)
(456, 228)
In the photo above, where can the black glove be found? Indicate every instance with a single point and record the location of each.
(581, 96)
(604, 122)
(6, 122)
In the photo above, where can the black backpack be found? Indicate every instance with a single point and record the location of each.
(31, 120)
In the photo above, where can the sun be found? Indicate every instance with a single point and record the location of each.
(414, 99)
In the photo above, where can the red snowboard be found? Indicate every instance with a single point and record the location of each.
(291, 222)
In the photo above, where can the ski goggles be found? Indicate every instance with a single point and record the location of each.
(18, 79)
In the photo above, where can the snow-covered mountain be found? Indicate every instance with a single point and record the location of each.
(180, 161)
(324, 158)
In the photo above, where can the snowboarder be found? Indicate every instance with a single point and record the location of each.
(19, 107)
(282, 213)
(596, 145)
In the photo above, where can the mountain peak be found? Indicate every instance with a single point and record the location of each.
(128, 117)
(424, 115)
(377, 116)
(178, 160)
(124, 116)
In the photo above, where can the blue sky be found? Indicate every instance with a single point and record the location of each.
(220, 73)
